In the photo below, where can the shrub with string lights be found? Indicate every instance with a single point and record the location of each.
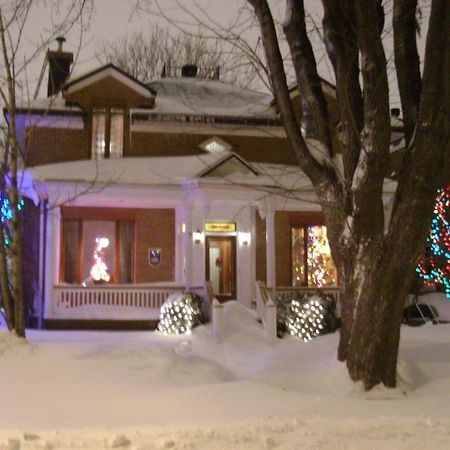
(307, 315)
(180, 313)
(434, 268)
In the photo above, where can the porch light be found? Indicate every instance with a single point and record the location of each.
(197, 236)
(244, 238)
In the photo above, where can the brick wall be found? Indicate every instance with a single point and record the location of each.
(53, 145)
(155, 228)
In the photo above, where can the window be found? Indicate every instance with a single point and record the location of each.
(107, 133)
(97, 251)
(312, 264)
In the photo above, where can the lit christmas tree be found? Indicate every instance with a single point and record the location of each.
(434, 269)
(99, 270)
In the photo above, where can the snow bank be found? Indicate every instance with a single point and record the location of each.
(92, 390)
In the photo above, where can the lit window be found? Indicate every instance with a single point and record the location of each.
(214, 145)
(107, 133)
(312, 264)
(97, 252)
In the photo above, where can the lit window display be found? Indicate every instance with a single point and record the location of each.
(312, 264)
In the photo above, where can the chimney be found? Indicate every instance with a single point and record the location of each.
(59, 67)
(189, 71)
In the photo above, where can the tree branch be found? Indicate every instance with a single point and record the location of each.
(374, 158)
(314, 109)
(307, 162)
(407, 64)
(340, 36)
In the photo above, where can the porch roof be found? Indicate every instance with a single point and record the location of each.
(174, 172)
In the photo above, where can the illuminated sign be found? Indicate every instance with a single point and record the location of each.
(220, 227)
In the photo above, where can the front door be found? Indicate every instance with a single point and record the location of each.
(221, 266)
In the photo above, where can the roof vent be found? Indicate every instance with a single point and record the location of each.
(189, 71)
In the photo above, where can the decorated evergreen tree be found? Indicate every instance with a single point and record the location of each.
(434, 268)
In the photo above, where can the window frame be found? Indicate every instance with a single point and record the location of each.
(304, 225)
(107, 112)
(81, 215)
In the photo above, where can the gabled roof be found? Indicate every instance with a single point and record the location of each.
(103, 72)
(228, 165)
(108, 86)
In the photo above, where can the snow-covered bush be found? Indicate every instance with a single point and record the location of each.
(306, 314)
(180, 313)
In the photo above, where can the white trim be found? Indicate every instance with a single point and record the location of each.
(172, 127)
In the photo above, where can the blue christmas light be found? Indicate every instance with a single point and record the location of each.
(6, 214)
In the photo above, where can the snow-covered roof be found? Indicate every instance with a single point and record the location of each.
(56, 103)
(193, 96)
(166, 171)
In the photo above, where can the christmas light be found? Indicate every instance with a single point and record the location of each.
(434, 269)
(180, 313)
(6, 214)
(99, 270)
(306, 315)
(306, 319)
(316, 267)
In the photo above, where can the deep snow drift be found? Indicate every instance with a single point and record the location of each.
(97, 390)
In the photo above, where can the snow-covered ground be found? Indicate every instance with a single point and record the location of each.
(145, 391)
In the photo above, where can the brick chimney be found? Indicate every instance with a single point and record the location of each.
(59, 67)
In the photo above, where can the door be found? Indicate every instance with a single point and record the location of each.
(221, 266)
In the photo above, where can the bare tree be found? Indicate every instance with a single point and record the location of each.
(14, 18)
(375, 249)
(375, 253)
(147, 56)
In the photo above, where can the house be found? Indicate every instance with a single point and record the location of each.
(142, 190)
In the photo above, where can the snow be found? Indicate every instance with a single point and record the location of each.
(163, 171)
(145, 390)
(193, 96)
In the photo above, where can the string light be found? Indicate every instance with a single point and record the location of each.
(305, 319)
(317, 267)
(180, 313)
(434, 269)
(6, 214)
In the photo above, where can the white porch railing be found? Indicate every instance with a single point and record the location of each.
(266, 308)
(108, 302)
(334, 291)
(267, 312)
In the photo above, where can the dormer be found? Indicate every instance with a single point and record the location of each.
(106, 95)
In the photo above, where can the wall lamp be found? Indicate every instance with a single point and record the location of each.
(197, 236)
(244, 238)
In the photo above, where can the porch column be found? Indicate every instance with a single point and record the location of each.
(270, 249)
(52, 253)
(187, 245)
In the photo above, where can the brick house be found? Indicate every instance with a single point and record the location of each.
(189, 180)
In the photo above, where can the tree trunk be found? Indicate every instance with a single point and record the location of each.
(4, 284)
